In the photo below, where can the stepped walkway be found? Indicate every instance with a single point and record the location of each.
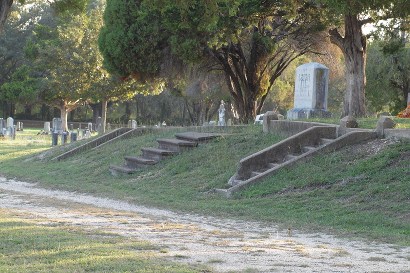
(295, 149)
(166, 148)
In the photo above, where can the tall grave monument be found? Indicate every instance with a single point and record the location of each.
(311, 88)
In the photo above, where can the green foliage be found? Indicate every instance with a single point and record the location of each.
(131, 39)
(22, 86)
(388, 80)
(70, 6)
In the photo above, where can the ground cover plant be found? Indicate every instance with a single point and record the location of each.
(28, 246)
(358, 191)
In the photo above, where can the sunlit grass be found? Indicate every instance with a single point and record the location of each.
(26, 246)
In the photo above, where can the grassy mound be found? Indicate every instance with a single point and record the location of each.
(359, 191)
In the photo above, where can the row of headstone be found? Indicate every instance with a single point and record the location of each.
(7, 127)
(132, 124)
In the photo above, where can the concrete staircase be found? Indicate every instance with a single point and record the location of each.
(295, 149)
(97, 142)
(166, 148)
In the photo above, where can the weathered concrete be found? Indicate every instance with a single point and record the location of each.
(400, 133)
(384, 123)
(290, 128)
(166, 148)
(289, 152)
(116, 134)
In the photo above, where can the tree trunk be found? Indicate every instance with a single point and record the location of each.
(353, 46)
(5, 6)
(64, 115)
(104, 104)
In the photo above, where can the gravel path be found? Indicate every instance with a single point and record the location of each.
(223, 244)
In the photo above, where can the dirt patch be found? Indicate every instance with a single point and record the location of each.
(222, 244)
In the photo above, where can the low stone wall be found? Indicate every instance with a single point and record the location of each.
(400, 133)
(93, 143)
(289, 128)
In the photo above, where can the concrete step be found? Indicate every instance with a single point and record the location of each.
(289, 157)
(115, 170)
(156, 153)
(196, 137)
(324, 141)
(306, 149)
(272, 165)
(177, 145)
(138, 162)
(255, 173)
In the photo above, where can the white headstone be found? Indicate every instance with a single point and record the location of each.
(47, 128)
(57, 125)
(134, 124)
(99, 125)
(311, 89)
(10, 122)
(2, 127)
(221, 114)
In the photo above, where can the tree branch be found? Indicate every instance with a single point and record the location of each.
(336, 38)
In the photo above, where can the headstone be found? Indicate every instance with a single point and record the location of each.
(10, 122)
(221, 114)
(311, 89)
(10, 127)
(99, 125)
(54, 139)
(64, 137)
(2, 127)
(212, 123)
(132, 124)
(71, 127)
(57, 126)
(164, 123)
(229, 122)
(19, 126)
(73, 136)
(384, 123)
(90, 126)
(47, 128)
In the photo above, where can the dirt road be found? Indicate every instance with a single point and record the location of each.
(223, 244)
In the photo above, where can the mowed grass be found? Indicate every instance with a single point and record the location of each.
(347, 192)
(27, 246)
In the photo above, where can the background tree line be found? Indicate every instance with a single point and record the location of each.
(174, 61)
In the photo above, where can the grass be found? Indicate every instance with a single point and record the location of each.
(345, 192)
(26, 246)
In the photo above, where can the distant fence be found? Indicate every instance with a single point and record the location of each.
(82, 125)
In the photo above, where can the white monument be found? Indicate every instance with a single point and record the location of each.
(311, 89)
(47, 128)
(221, 113)
(10, 127)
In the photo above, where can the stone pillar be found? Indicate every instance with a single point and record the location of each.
(384, 123)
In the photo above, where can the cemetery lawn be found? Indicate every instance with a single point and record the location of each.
(28, 246)
(358, 192)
